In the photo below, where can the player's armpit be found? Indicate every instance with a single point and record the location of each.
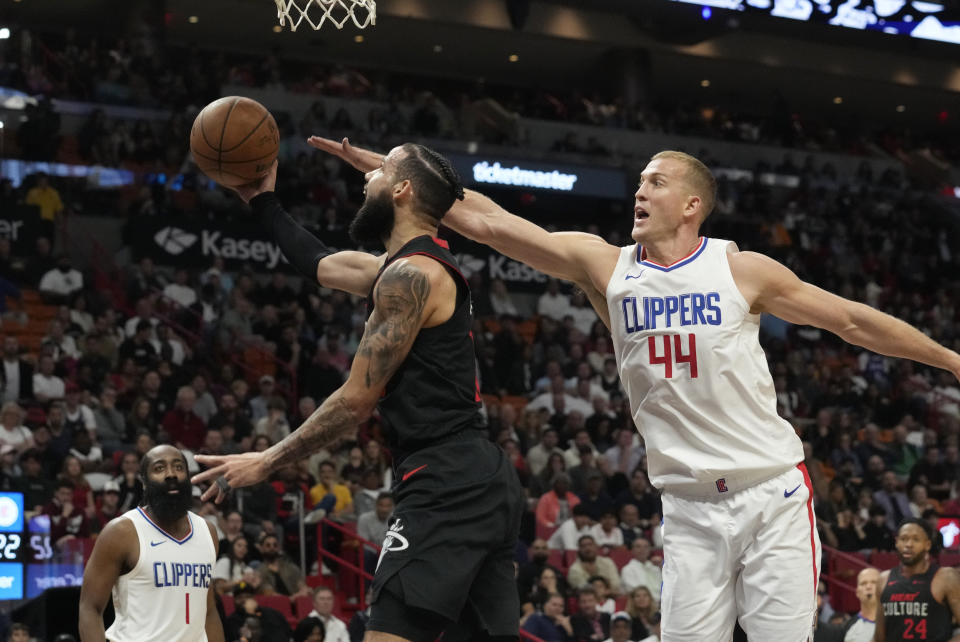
(572, 256)
(350, 271)
(115, 552)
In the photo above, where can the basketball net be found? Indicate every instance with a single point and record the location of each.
(316, 12)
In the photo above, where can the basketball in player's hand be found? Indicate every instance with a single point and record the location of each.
(234, 140)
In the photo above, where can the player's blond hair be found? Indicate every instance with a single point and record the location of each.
(698, 176)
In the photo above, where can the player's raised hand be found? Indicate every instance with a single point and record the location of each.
(229, 472)
(265, 184)
(360, 159)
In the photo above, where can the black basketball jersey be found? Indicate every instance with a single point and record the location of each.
(435, 393)
(909, 610)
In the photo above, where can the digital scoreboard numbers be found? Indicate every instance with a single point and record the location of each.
(11, 544)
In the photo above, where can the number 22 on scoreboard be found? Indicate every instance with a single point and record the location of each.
(667, 349)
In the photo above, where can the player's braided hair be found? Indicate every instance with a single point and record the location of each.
(436, 184)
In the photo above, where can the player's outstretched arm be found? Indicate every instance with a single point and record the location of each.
(771, 287)
(345, 270)
(113, 554)
(411, 293)
(585, 259)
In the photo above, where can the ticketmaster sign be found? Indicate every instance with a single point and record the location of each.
(480, 172)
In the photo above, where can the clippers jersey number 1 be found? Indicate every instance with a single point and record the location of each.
(667, 349)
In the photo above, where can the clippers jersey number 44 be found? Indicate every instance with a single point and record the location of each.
(689, 356)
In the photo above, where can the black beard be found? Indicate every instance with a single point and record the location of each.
(165, 507)
(373, 222)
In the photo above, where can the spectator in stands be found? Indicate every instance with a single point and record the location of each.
(67, 519)
(589, 623)
(131, 487)
(920, 502)
(625, 456)
(643, 608)
(19, 633)
(595, 499)
(871, 445)
(621, 627)
(77, 416)
(641, 570)
(278, 570)
(643, 496)
(567, 536)
(180, 292)
(168, 346)
(250, 621)
(258, 404)
(109, 506)
(582, 314)
(330, 494)
(903, 454)
(17, 373)
(844, 452)
(309, 629)
(372, 526)
(184, 428)
(138, 347)
(274, 424)
(582, 471)
(111, 427)
(552, 303)
(873, 474)
(654, 629)
(46, 197)
(538, 455)
(36, 484)
(551, 625)
(86, 452)
(232, 528)
(932, 473)
(46, 385)
(59, 284)
(590, 563)
(581, 439)
(556, 505)
(529, 571)
(605, 602)
(230, 413)
(12, 431)
(879, 537)
(62, 346)
(72, 471)
(233, 562)
(630, 524)
(893, 500)
(323, 602)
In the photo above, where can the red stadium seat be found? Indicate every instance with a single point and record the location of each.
(313, 581)
(556, 559)
(621, 603)
(884, 560)
(304, 604)
(949, 559)
(620, 556)
(569, 557)
(228, 605)
(279, 603)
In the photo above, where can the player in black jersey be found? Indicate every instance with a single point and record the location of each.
(447, 560)
(919, 599)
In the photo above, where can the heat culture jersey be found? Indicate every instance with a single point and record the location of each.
(909, 610)
(690, 361)
(164, 597)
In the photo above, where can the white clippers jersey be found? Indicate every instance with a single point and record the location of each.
(164, 597)
(698, 382)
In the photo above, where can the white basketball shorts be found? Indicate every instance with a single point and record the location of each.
(753, 555)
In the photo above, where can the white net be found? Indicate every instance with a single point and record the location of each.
(316, 12)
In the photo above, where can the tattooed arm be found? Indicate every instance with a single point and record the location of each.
(412, 293)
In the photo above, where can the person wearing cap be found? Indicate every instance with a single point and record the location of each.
(259, 405)
(109, 506)
(621, 625)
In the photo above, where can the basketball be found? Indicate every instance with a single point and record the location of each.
(234, 140)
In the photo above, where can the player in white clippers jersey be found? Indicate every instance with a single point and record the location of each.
(739, 533)
(157, 559)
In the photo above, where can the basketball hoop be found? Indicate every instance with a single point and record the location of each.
(316, 12)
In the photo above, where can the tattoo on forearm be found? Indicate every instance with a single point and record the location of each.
(399, 300)
(329, 422)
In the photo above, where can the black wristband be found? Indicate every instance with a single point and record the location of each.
(298, 245)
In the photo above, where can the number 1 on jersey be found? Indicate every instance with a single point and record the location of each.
(673, 353)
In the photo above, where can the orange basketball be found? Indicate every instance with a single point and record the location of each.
(234, 140)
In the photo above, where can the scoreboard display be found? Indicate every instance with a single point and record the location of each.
(28, 562)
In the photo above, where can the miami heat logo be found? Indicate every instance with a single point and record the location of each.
(393, 541)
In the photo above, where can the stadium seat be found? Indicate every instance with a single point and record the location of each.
(621, 603)
(569, 557)
(884, 560)
(228, 605)
(304, 604)
(949, 559)
(313, 581)
(621, 556)
(279, 603)
(557, 560)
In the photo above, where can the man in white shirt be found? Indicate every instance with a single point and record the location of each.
(62, 281)
(538, 455)
(606, 531)
(640, 571)
(552, 303)
(625, 455)
(372, 526)
(76, 413)
(557, 401)
(46, 385)
(179, 291)
(567, 536)
(581, 440)
(336, 629)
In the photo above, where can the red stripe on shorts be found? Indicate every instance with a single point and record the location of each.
(813, 545)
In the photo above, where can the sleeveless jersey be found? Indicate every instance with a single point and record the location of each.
(909, 610)
(164, 597)
(435, 393)
(690, 361)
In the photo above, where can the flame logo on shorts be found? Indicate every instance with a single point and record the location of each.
(393, 541)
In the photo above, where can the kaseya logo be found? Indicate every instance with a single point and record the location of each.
(174, 240)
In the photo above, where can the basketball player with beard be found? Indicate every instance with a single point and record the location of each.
(919, 598)
(447, 560)
(157, 559)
